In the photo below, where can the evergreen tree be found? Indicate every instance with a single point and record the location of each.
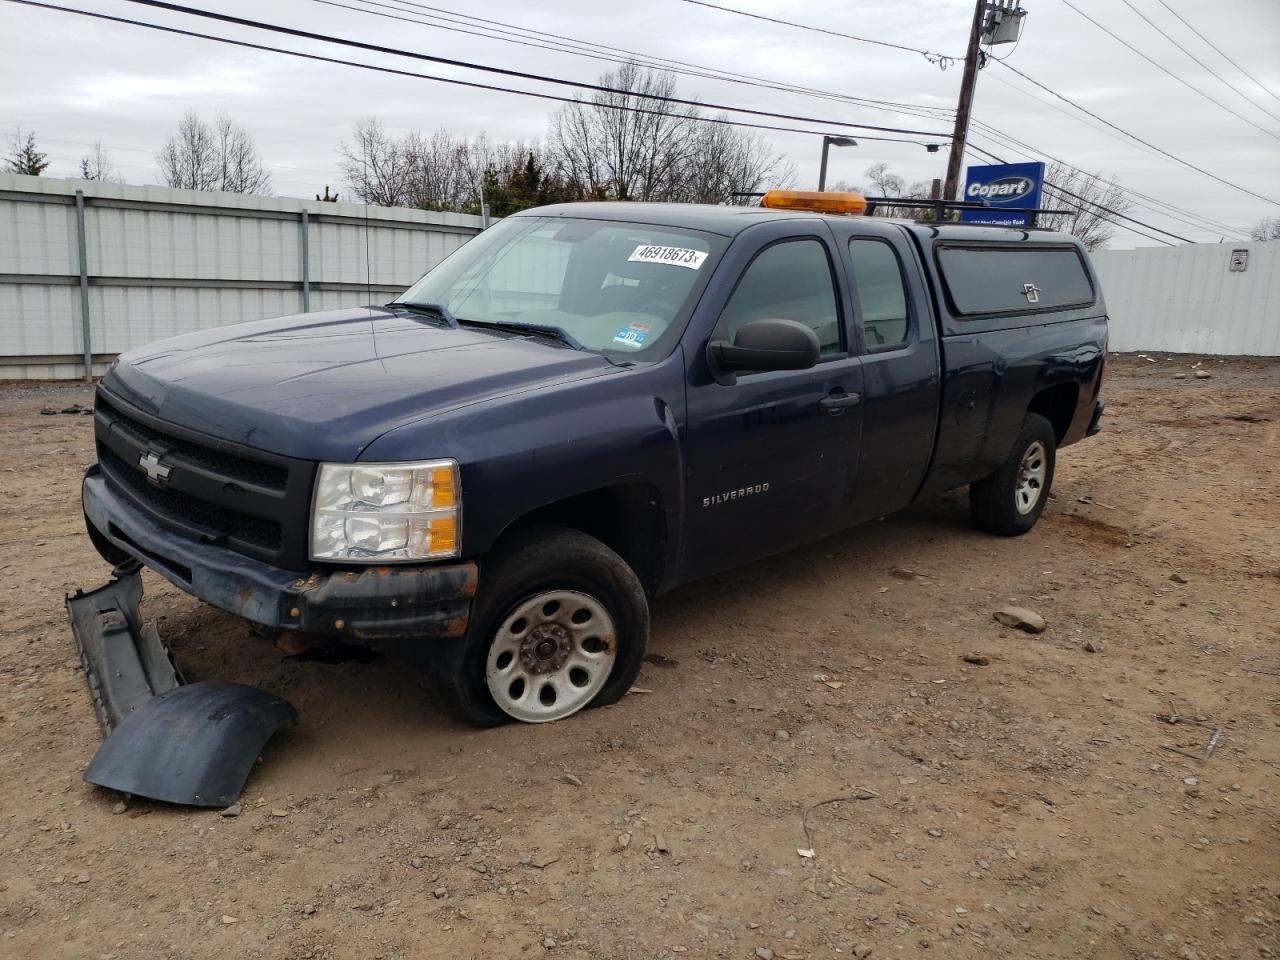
(24, 157)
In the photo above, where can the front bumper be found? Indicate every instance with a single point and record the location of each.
(367, 603)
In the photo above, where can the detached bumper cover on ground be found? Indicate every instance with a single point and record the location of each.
(183, 744)
(373, 603)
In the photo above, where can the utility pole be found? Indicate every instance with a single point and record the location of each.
(967, 85)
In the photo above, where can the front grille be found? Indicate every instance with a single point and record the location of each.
(215, 521)
(242, 468)
(247, 500)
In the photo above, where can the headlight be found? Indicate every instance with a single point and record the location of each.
(386, 512)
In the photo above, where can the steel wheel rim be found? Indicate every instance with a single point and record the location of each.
(1031, 475)
(551, 655)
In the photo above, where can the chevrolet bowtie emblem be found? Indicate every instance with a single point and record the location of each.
(157, 472)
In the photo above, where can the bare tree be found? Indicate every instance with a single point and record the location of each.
(187, 160)
(1093, 205)
(441, 170)
(727, 163)
(1266, 229)
(886, 183)
(98, 166)
(24, 157)
(616, 145)
(627, 145)
(218, 156)
(619, 153)
(240, 168)
(375, 166)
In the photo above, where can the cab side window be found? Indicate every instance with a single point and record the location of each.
(788, 281)
(882, 294)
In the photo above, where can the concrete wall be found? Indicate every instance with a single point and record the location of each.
(161, 262)
(1185, 299)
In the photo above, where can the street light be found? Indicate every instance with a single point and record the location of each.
(827, 143)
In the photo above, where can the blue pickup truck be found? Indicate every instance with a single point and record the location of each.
(583, 407)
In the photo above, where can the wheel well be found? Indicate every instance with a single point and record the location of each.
(628, 518)
(1057, 404)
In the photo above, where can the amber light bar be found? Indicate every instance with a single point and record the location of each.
(824, 201)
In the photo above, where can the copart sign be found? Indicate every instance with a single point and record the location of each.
(1002, 186)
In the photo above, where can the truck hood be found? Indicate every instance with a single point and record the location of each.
(323, 386)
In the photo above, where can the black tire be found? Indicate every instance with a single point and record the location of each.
(544, 559)
(994, 502)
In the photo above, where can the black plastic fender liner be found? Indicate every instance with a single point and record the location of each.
(193, 745)
(125, 664)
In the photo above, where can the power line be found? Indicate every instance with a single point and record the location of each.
(1132, 197)
(472, 84)
(1208, 69)
(1217, 225)
(1115, 213)
(1054, 188)
(1080, 207)
(932, 57)
(1218, 50)
(715, 73)
(1027, 149)
(1136, 138)
(1048, 90)
(701, 70)
(500, 26)
(507, 72)
(1164, 69)
(524, 36)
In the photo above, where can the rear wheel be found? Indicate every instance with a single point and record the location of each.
(1010, 501)
(560, 623)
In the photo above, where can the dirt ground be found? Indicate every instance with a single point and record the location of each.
(1020, 806)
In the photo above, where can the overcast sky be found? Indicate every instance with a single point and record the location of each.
(73, 81)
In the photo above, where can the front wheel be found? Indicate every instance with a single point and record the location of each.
(560, 623)
(1010, 501)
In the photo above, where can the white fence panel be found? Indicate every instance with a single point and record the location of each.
(160, 262)
(1187, 299)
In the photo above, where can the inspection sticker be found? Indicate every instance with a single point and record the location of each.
(674, 256)
(633, 335)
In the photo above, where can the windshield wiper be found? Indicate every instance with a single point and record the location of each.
(436, 308)
(537, 329)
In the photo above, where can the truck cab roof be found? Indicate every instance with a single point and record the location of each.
(729, 221)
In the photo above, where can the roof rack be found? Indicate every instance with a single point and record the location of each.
(941, 207)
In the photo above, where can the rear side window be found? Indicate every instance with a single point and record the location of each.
(788, 281)
(882, 294)
(1014, 279)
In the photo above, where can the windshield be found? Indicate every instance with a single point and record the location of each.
(611, 287)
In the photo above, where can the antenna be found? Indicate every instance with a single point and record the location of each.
(368, 272)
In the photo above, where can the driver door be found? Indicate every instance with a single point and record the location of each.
(771, 455)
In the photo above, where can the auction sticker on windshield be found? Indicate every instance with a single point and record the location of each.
(674, 256)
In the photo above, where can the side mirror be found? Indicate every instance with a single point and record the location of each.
(765, 345)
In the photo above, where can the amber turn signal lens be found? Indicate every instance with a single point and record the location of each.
(444, 535)
(443, 493)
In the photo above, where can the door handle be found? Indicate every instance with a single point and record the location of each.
(836, 402)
